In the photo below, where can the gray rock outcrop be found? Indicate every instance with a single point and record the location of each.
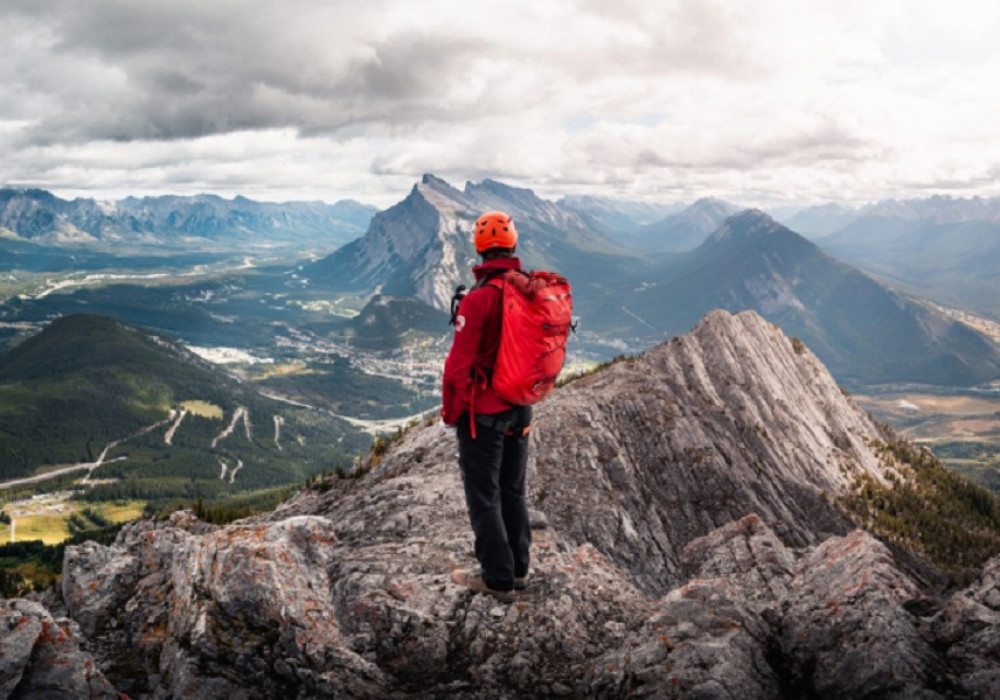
(40, 656)
(727, 420)
(686, 544)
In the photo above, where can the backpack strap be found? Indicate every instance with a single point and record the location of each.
(489, 277)
(460, 292)
(478, 376)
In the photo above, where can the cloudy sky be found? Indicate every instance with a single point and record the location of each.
(762, 102)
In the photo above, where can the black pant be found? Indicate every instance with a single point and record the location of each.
(493, 471)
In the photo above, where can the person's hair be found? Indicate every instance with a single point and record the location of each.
(494, 253)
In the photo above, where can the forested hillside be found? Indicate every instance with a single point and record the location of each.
(159, 421)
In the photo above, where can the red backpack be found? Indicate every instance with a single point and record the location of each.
(537, 319)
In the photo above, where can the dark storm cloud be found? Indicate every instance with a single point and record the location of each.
(124, 70)
(158, 70)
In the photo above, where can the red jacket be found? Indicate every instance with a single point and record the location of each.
(474, 347)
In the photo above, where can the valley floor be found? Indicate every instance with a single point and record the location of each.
(49, 517)
(962, 427)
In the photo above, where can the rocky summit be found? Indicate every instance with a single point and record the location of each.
(687, 543)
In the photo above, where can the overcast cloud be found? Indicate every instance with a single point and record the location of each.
(761, 102)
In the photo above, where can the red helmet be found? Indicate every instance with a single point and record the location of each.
(494, 229)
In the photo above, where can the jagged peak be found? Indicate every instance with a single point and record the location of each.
(33, 193)
(704, 202)
(498, 187)
(722, 322)
(891, 208)
(438, 184)
(830, 208)
(417, 196)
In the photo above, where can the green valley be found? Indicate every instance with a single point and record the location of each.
(124, 414)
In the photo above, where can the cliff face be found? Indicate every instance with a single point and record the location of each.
(685, 545)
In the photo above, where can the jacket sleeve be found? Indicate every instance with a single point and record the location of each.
(457, 381)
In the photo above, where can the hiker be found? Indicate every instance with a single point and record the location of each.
(492, 432)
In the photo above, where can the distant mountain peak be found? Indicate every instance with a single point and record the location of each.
(437, 183)
(422, 246)
(746, 224)
(713, 202)
(503, 189)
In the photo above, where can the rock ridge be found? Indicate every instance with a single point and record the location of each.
(686, 543)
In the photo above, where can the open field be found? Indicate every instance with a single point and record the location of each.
(963, 429)
(936, 418)
(120, 511)
(203, 408)
(47, 518)
(912, 404)
(50, 529)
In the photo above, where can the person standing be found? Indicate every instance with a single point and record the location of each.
(492, 433)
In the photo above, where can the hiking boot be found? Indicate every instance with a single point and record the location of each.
(520, 582)
(476, 584)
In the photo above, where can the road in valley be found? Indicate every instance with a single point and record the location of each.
(88, 466)
(373, 427)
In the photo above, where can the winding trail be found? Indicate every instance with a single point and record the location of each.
(169, 437)
(232, 474)
(240, 412)
(278, 422)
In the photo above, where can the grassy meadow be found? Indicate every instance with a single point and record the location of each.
(55, 518)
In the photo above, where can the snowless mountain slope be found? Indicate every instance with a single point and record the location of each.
(865, 332)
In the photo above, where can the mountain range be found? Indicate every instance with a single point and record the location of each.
(865, 332)
(713, 519)
(944, 248)
(651, 229)
(634, 285)
(683, 230)
(618, 214)
(938, 209)
(42, 218)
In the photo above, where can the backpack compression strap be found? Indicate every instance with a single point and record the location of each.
(456, 299)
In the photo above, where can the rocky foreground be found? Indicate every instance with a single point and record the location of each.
(687, 543)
